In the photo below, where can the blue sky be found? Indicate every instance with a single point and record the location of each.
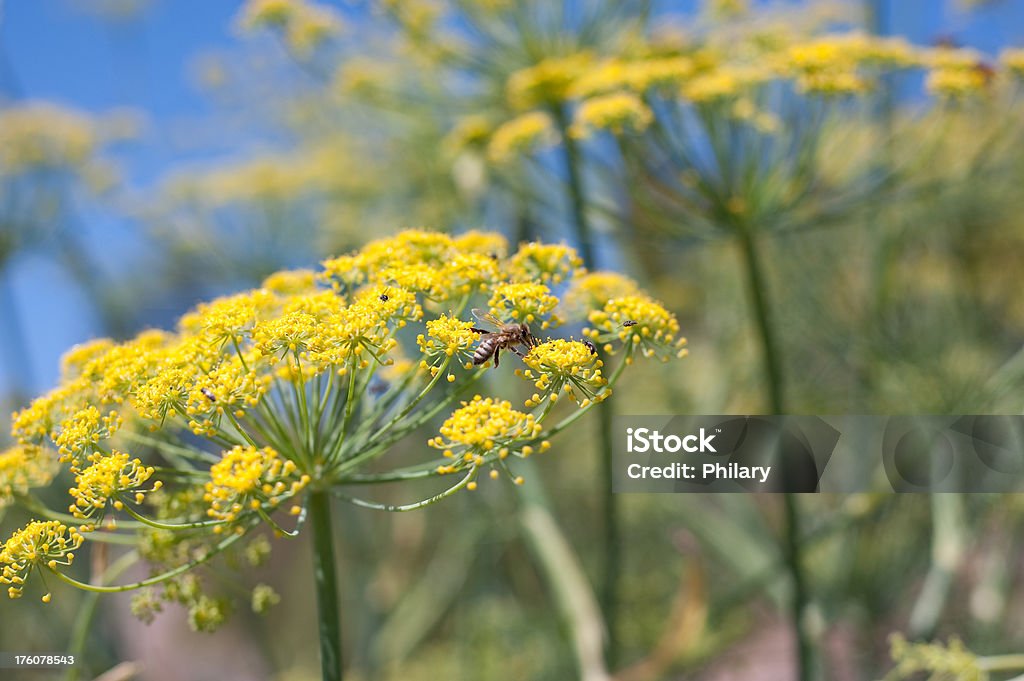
(55, 50)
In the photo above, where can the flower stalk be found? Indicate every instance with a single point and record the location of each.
(326, 580)
(772, 364)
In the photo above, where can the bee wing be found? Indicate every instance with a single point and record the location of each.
(485, 316)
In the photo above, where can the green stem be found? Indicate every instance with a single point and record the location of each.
(577, 195)
(564, 576)
(997, 663)
(799, 599)
(326, 581)
(162, 525)
(87, 610)
(610, 511)
(612, 533)
(415, 505)
(757, 288)
(758, 292)
(156, 579)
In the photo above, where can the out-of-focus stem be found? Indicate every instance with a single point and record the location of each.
(87, 609)
(565, 578)
(325, 578)
(574, 178)
(610, 511)
(612, 538)
(757, 288)
(771, 361)
(799, 598)
(948, 549)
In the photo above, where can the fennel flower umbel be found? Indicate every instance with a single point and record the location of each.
(262, 405)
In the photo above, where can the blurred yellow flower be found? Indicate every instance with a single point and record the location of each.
(521, 135)
(618, 112)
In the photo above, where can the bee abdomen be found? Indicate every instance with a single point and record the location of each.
(484, 351)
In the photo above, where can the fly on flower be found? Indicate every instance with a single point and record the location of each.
(507, 337)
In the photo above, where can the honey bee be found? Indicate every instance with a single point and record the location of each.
(507, 337)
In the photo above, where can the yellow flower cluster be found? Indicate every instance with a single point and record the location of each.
(40, 543)
(724, 82)
(727, 9)
(1013, 60)
(549, 263)
(291, 282)
(421, 258)
(936, 660)
(446, 337)
(250, 478)
(546, 83)
(833, 64)
(114, 374)
(832, 80)
(956, 83)
(34, 423)
(255, 395)
(618, 112)
(615, 92)
(483, 427)
(565, 365)
(636, 76)
(78, 435)
(38, 136)
(524, 302)
(955, 73)
(521, 135)
(593, 289)
(72, 362)
(637, 322)
(469, 132)
(104, 480)
(304, 25)
(230, 318)
(23, 467)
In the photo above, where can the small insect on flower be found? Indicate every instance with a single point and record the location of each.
(384, 298)
(629, 322)
(590, 346)
(507, 337)
(208, 394)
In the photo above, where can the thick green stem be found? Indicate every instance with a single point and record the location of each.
(798, 598)
(758, 292)
(612, 535)
(757, 289)
(326, 582)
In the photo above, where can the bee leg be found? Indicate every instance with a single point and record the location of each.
(497, 352)
(517, 351)
(476, 330)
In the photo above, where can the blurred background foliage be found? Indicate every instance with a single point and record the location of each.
(880, 197)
